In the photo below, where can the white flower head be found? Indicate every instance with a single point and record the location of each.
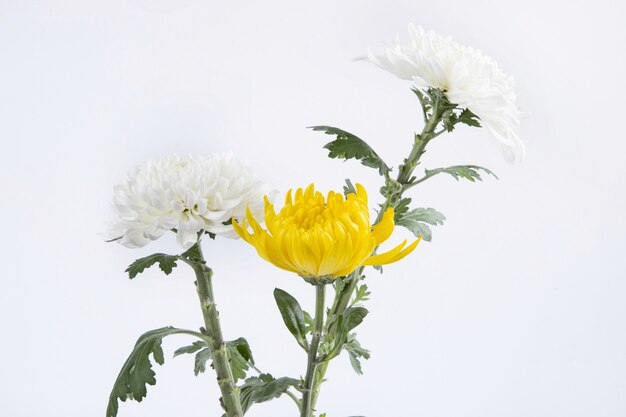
(468, 78)
(190, 194)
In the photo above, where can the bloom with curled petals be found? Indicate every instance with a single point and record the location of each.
(469, 79)
(189, 194)
(322, 238)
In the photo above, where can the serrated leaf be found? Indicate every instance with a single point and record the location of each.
(468, 118)
(425, 101)
(137, 373)
(417, 221)
(349, 187)
(292, 315)
(193, 254)
(468, 172)
(264, 388)
(240, 357)
(361, 294)
(402, 206)
(355, 352)
(192, 348)
(351, 318)
(349, 146)
(309, 322)
(341, 282)
(166, 263)
(202, 357)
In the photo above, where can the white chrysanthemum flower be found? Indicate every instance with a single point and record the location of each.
(469, 78)
(189, 194)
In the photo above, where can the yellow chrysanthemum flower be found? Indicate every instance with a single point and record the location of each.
(322, 238)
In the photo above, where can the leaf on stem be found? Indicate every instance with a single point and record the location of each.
(348, 146)
(349, 187)
(361, 294)
(355, 352)
(352, 317)
(203, 355)
(166, 263)
(193, 254)
(309, 322)
(201, 359)
(264, 388)
(240, 357)
(192, 348)
(418, 221)
(468, 118)
(424, 101)
(137, 372)
(468, 172)
(465, 117)
(401, 207)
(292, 315)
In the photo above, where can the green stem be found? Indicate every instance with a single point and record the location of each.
(419, 144)
(342, 299)
(225, 380)
(312, 362)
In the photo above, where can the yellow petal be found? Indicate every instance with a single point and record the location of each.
(406, 250)
(256, 227)
(361, 193)
(384, 228)
(393, 255)
(241, 230)
(288, 198)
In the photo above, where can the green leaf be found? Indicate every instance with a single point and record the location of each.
(264, 388)
(166, 263)
(425, 101)
(292, 315)
(401, 207)
(468, 118)
(417, 221)
(192, 348)
(202, 358)
(240, 357)
(353, 316)
(193, 254)
(341, 282)
(355, 352)
(348, 146)
(309, 322)
(361, 294)
(468, 172)
(349, 187)
(137, 372)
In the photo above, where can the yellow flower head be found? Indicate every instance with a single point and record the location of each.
(322, 238)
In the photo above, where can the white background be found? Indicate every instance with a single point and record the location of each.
(517, 308)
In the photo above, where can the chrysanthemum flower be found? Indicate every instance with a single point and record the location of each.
(468, 78)
(322, 238)
(189, 194)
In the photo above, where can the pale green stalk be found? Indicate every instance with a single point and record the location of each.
(313, 361)
(225, 380)
(342, 299)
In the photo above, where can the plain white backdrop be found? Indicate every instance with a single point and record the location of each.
(518, 306)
